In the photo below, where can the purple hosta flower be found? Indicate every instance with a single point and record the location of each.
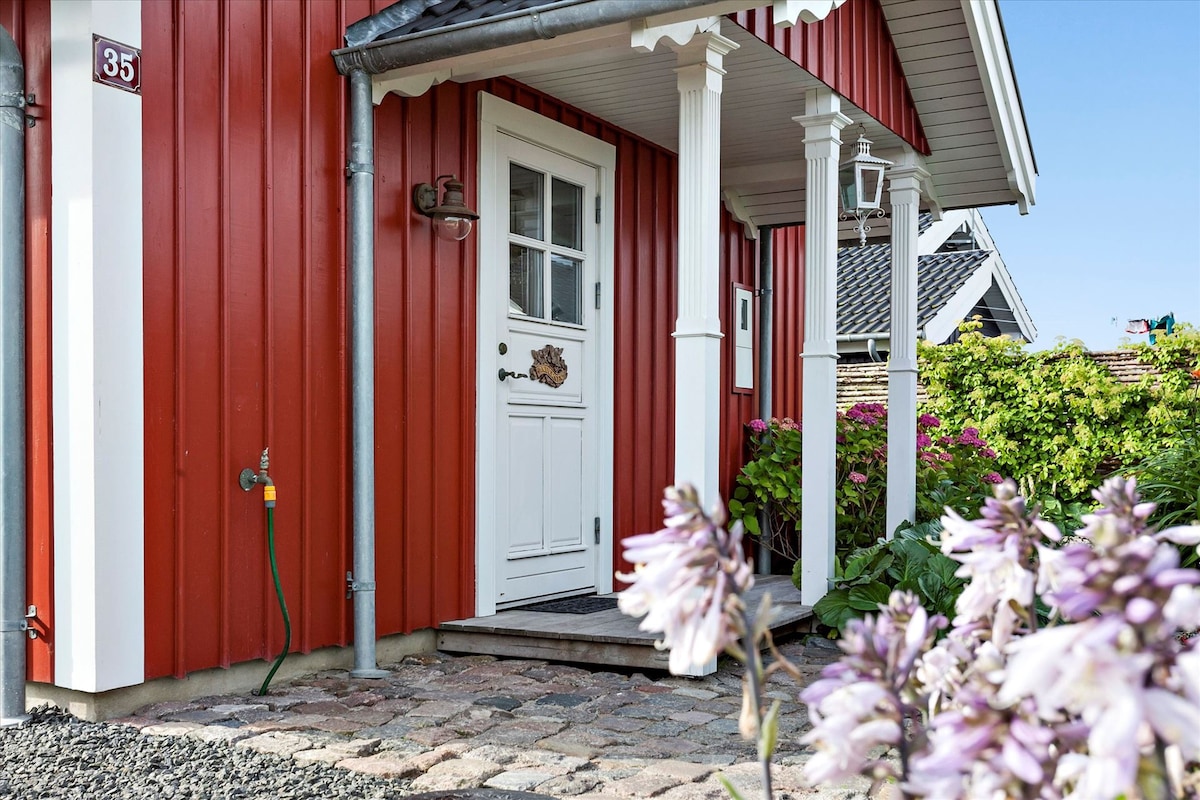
(993, 477)
(977, 751)
(996, 553)
(857, 477)
(928, 421)
(1085, 671)
(1174, 711)
(923, 440)
(688, 580)
(1124, 569)
(862, 701)
(757, 426)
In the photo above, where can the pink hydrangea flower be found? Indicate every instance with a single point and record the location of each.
(757, 426)
(857, 477)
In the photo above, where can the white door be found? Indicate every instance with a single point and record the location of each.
(546, 503)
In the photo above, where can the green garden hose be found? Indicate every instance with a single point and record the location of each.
(287, 621)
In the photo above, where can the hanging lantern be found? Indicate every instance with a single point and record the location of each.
(860, 181)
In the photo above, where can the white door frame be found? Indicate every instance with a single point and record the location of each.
(498, 117)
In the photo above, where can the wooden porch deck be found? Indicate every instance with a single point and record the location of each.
(602, 638)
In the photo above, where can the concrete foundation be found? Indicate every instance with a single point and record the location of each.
(238, 679)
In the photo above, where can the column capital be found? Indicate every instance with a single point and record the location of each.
(699, 62)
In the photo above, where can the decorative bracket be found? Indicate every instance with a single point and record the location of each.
(413, 85)
(646, 36)
(735, 206)
(789, 12)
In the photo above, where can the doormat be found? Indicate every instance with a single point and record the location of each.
(573, 605)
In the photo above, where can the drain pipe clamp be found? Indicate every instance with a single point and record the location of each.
(353, 586)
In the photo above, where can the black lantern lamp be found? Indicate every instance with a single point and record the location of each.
(860, 181)
(452, 219)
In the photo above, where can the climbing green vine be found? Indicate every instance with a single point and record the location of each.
(1057, 419)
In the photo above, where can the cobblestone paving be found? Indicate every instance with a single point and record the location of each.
(442, 722)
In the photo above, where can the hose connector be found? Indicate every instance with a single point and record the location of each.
(248, 479)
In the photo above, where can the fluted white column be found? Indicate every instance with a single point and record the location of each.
(698, 326)
(905, 193)
(823, 122)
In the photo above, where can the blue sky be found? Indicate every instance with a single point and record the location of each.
(1111, 92)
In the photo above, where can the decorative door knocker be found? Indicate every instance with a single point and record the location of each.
(548, 366)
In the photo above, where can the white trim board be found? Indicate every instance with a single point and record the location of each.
(99, 424)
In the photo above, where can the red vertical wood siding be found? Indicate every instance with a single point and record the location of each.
(850, 51)
(787, 257)
(245, 334)
(244, 316)
(29, 24)
(739, 264)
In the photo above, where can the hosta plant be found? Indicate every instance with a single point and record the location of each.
(1061, 674)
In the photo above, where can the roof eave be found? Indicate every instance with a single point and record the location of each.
(543, 22)
(1004, 101)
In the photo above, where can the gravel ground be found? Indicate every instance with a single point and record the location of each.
(55, 755)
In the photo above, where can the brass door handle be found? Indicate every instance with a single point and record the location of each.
(504, 373)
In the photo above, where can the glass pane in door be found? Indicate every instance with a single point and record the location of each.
(566, 214)
(524, 280)
(525, 201)
(566, 289)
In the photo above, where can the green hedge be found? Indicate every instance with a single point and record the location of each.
(1057, 419)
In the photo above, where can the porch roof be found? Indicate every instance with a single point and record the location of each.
(954, 57)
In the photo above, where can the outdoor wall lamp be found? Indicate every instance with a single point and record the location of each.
(860, 181)
(452, 219)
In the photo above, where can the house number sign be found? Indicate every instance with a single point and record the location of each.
(116, 64)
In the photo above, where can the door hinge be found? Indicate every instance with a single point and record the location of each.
(597, 529)
(597, 294)
(597, 209)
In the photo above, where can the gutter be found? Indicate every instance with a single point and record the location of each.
(866, 337)
(502, 30)
(13, 624)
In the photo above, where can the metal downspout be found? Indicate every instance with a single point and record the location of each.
(360, 172)
(12, 383)
(766, 269)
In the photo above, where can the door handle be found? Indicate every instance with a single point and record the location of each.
(504, 373)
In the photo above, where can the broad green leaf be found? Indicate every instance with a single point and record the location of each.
(869, 597)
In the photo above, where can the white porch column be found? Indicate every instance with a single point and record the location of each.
(822, 122)
(698, 327)
(905, 192)
(99, 480)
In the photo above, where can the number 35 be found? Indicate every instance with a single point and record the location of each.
(118, 63)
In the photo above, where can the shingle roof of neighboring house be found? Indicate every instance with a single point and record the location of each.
(924, 222)
(417, 16)
(864, 285)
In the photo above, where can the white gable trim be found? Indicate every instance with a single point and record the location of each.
(1000, 87)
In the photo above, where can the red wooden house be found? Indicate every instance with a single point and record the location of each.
(224, 252)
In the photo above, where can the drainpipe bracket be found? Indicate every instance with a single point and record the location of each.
(9, 626)
(353, 586)
(359, 167)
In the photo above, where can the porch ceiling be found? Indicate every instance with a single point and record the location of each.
(762, 148)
